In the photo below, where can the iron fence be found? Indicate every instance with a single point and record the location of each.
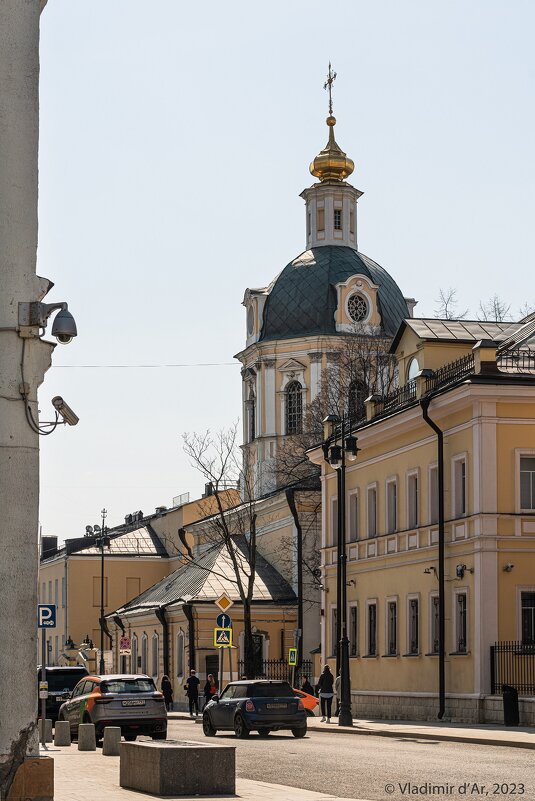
(280, 670)
(454, 371)
(516, 360)
(512, 663)
(396, 399)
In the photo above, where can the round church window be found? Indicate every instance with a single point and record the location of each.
(357, 308)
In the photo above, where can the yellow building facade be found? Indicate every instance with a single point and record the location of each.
(476, 382)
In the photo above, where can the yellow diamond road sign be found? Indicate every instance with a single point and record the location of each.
(223, 638)
(224, 602)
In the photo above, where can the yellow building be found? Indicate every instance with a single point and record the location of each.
(475, 384)
(139, 555)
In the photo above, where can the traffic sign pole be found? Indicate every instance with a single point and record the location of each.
(43, 679)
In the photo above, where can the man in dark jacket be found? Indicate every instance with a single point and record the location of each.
(192, 691)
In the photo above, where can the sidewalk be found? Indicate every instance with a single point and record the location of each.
(90, 776)
(476, 734)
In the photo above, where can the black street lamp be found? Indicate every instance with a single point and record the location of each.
(102, 540)
(338, 444)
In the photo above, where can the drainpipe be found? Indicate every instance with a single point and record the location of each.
(441, 561)
(290, 499)
(188, 612)
(160, 614)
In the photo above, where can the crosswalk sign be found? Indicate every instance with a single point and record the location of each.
(292, 656)
(222, 638)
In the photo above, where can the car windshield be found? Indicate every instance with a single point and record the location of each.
(64, 681)
(128, 686)
(282, 690)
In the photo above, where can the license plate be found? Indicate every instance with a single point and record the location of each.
(277, 706)
(133, 702)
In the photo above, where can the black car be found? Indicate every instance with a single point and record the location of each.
(261, 705)
(61, 682)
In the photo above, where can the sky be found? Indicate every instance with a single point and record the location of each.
(175, 139)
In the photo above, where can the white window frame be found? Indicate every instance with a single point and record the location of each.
(456, 620)
(332, 624)
(412, 475)
(372, 602)
(431, 638)
(133, 655)
(144, 654)
(391, 599)
(391, 525)
(155, 655)
(430, 468)
(372, 487)
(353, 605)
(63, 594)
(333, 507)
(415, 596)
(529, 453)
(455, 461)
(519, 590)
(56, 592)
(353, 516)
(180, 654)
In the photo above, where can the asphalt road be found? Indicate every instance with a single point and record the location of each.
(367, 767)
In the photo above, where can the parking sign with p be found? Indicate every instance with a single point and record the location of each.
(46, 616)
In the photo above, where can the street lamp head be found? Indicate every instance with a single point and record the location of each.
(329, 424)
(351, 447)
(335, 455)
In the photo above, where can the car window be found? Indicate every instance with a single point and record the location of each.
(282, 690)
(141, 685)
(86, 688)
(57, 680)
(240, 691)
(78, 689)
(228, 692)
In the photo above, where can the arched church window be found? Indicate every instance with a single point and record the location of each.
(252, 414)
(357, 308)
(294, 408)
(357, 394)
(413, 369)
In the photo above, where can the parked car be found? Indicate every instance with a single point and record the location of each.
(263, 705)
(310, 702)
(61, 682)
(129, 701)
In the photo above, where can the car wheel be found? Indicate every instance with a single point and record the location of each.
(263, 732)
(159, 735)
(300, 732)
(207, 727)
(240, 729)
(130, 738)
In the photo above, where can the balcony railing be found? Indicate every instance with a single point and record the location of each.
(518, 360)
(450, 373)
(396, 399)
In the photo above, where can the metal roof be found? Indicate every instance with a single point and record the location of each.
(141, 541)
(211, 575)
(302, 300)
(455, 330)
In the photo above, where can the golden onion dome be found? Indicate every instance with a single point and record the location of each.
(332, 164)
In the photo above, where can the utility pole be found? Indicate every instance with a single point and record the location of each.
(24, 359)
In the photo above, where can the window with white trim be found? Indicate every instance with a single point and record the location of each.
(413, 625)
(392, 627)
(334, 521)
(433, 494)
(155, 655)
(527, 482)
(294, 408)
(338, 219)
(391, 506)
(63, 597)
(180, 654)
(334, 641)
(371, 503)
(461, 622)
(371, 628)
(56, 591)
(353, 533)
(144, 655)
(459, 485)
(527, 617)
(133, 654)
(251, 414)
(434, 614)
(353, 630)
(413, 500)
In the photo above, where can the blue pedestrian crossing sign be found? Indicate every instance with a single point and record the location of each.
(46, 616)
(223, 637)
(223, 621)
(292, 657)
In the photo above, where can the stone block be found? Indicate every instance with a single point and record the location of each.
(86, 737)
(48, 730)
(62, 732)
(178, 767)
(33, 780)
(111, 743)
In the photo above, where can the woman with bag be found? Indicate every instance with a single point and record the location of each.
(210, 688)
(325, 687)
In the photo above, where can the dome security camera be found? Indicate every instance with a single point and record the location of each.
(64, 327)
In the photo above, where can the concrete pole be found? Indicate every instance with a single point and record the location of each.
(19, 443)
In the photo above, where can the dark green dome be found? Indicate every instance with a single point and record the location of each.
(302, 301)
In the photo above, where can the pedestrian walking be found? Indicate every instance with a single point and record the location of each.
(167, 691)
(192, 691)
(306, 687)
(210, 688)
(325, 687)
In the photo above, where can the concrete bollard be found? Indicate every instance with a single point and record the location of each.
(86, 737)
(111, 745)
(48, 730)
(62, 732)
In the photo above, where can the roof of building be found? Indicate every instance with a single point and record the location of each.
(134, 541)
(302, 300)
(211, 575)
(455, 330)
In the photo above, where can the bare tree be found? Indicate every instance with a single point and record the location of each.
(219, 460)
(447, 305)
(494, 309)
(526, 310)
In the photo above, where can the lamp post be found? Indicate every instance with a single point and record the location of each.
(102, 540)
(336, 430)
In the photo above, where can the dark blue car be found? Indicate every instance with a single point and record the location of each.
(261, 705)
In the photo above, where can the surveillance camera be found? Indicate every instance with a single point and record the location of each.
(65, 411)
(64, 327)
